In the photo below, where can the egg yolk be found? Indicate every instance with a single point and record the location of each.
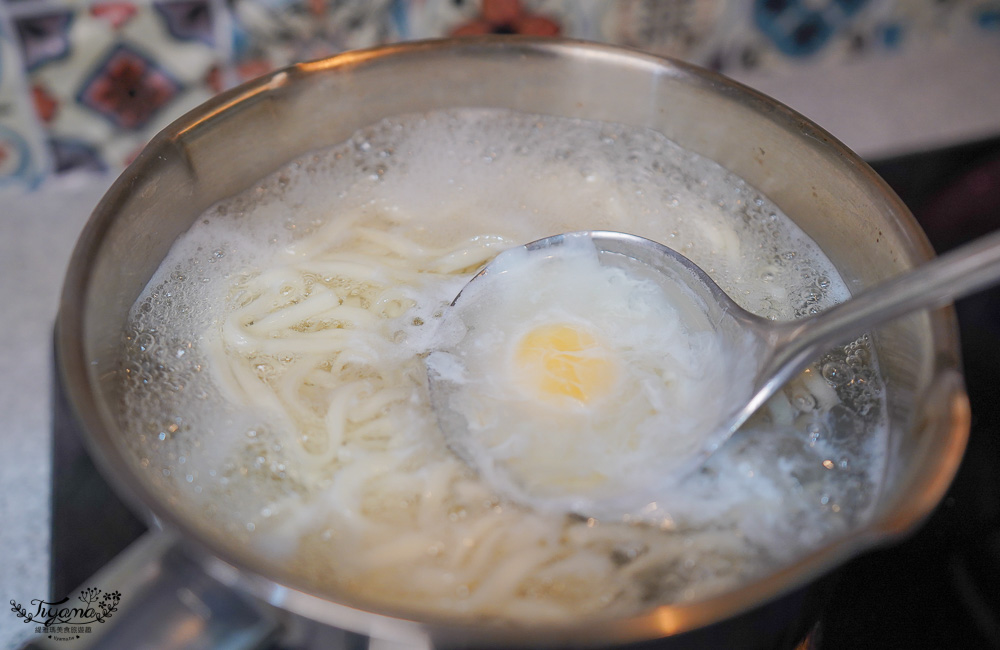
(557, 361)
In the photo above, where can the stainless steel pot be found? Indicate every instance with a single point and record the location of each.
(240, 136)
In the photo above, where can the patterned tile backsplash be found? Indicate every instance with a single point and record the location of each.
(84, 84)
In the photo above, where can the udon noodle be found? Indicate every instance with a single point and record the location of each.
(273, 374)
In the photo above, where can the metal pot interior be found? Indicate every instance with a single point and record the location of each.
(224, 146)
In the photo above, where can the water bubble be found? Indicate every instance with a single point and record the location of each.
(146, 341)
(836, 373)
(815, 431)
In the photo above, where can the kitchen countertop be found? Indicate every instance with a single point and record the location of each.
(884, 108)
(37, 233)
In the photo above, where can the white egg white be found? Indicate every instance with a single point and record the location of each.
(608, 454)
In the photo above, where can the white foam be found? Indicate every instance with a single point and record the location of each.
(440, 190)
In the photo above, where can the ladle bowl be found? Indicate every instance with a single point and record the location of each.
(771, 352)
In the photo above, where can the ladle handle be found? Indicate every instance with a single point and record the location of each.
(957, 273)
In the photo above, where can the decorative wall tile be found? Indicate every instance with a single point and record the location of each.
(106, 76)
(23, 156)
(773, 34)
(127, 88)
(510, 17)
(685, 29)
(85, 83)
(275, 33)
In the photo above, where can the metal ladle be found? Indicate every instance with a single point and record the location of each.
(778, 350)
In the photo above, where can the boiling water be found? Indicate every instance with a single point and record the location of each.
(274, 382)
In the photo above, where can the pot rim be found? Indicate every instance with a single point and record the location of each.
(666, 620)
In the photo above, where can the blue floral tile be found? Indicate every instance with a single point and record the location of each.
(128, 88)
(44, 37)
(69, 154)
(686, 29)
(15, 156)
(104, 77)
(85, 83)
(188, 20)
(987, 17)
(23, 156)
(269, 34)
